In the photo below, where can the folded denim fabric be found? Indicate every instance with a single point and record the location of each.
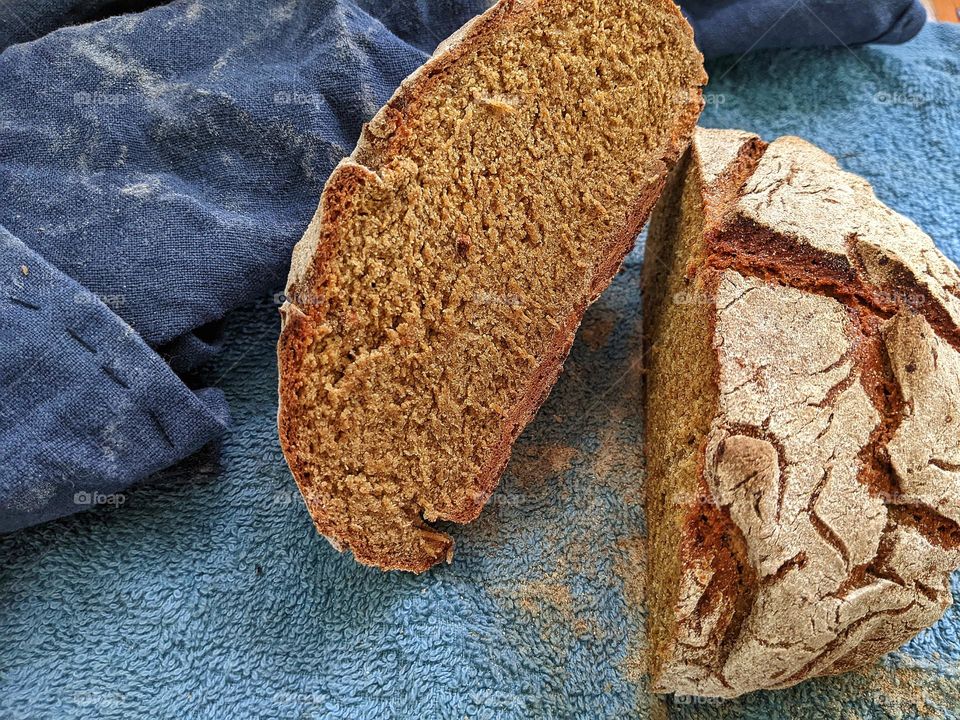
(87, 404)
(722, 26)
(735, 27)
(166, 162)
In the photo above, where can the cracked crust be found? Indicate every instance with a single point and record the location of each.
(399, 404)
(829, 455)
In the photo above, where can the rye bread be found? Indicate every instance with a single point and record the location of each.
(436, 293)
(803, 420)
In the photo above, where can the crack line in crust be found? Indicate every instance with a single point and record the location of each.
(822, 528)
(840, 639)
(868, 307)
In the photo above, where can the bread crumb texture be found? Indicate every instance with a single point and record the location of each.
(438, 289)
(803, 406)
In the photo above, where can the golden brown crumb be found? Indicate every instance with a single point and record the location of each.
(435, 295)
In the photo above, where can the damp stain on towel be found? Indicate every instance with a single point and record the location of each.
(533, 465)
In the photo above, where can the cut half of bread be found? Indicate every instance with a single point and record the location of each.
(802, 419)
(437, 290)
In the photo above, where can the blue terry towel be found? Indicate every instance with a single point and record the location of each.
(156, 169)
(206, 593)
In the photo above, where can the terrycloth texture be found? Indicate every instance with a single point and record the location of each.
(207, 593)
(167, 161)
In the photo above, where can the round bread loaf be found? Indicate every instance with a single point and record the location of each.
(803, 420)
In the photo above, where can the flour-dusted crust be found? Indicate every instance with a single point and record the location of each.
(386, 478)
(834, 449)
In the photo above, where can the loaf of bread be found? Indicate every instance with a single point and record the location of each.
(803, 420)
(437, 290)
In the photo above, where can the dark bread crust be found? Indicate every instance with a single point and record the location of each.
(382, 140)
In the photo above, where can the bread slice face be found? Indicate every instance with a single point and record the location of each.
(803, 420)
(437, 290)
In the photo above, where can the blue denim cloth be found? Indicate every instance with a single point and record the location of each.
(734, 27)
(161, 164)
